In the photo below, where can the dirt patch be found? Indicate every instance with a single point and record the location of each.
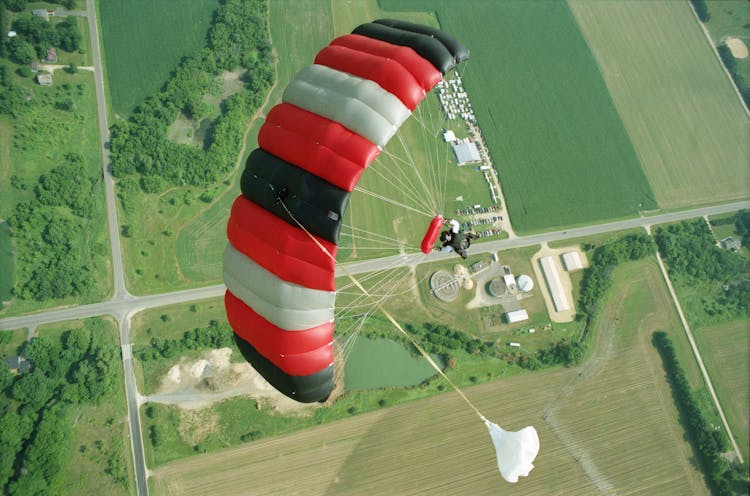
(197, 384)
(737, 47)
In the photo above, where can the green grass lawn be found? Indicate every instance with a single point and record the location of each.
(145, 40)
(679, 108)
(7, 264)
(11, 342)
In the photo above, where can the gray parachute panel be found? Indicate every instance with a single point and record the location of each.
(357, 104)
(289, 306)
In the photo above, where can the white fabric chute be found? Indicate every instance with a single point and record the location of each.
(515, 450)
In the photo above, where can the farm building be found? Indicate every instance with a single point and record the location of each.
(572, 261)
(449, 136)
(551, 275)
(466, 153)
(44, 79)
(516, 316)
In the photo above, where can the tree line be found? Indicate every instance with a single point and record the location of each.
(142, 156)
(35, 427)
(215, 335)
(709, 442)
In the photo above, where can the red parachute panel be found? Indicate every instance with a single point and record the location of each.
(422, 70)
(389, 74)
(320, 146)
(302, 352)
(281, 248)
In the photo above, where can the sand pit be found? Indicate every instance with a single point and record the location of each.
(196, 384)
(737, 47)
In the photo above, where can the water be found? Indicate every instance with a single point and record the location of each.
(378, 363)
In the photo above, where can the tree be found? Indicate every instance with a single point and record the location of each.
(69, 35)
(16, 5)
(21, 51)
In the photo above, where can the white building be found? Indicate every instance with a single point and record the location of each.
(572, 261)
(466, 153)
(517, 316)
(552, 276)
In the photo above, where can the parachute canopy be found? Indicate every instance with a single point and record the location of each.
(335, 117)
(515, 450)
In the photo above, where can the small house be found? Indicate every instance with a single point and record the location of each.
(44, 79)
(17, 364)
(43, 13)
(51, 55)
(731, 243)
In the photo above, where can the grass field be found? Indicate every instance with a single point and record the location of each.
(678, 106)
(7, 264)
(610, 425)
(131, 30)
(11, 341)
(563, 155)
(724, 349)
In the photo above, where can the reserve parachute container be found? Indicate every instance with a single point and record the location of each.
(335, 117)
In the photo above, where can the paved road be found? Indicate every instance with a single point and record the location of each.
(109, 184)
(535, 239)
(120, 291)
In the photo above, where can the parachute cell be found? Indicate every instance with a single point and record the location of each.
(335, 117)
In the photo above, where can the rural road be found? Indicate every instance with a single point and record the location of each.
(123, 305)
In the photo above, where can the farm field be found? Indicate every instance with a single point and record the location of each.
(680, 111)
(131, 30)
(617, 399)
(562, 152)
(724, 349)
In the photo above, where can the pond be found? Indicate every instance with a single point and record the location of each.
(378, 363)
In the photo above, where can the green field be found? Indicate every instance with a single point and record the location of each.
(144, 41)
(724, 349)
(562, 153)
(7, 264)
(679, 108)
